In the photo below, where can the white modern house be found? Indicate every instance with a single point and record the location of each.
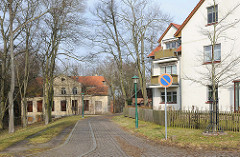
(193, 58)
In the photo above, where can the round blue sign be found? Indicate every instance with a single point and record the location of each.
(165, 80)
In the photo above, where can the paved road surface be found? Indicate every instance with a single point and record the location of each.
(99, 137)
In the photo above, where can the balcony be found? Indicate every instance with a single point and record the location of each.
(165, 53)
(154, 80)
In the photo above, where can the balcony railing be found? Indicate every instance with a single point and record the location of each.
(165, 53)
(154, 80)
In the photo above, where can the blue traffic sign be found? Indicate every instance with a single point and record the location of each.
(165, 80)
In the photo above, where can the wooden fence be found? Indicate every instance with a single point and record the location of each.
(186, 119)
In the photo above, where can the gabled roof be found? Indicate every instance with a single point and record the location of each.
(189, 17)
(90, 80)
(94, 84)
(171, 24)
(158, 48)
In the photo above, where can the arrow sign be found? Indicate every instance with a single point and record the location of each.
(165, 80)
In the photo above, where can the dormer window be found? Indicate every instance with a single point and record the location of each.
(212, 14)
(63, 91)
(172, 45)
(74, 90)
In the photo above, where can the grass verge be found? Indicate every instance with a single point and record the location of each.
(183, 137)
(47, 132)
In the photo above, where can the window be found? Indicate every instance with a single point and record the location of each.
(236, 96)
(212, 14)
(63, 91)
(86, 105)
(39, 106)
(63, 105)
(210, 93)
(172, 45)
(171, 97)
(74, 90)
(172, 69)
(208, 53)
(30, 106)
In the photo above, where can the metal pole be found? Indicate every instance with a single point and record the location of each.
(165, 113)
(136, 111)
(82, 105)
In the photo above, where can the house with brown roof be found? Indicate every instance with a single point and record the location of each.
(68, 97)
(190, 62)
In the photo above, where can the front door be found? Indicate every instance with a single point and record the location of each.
(98, 107)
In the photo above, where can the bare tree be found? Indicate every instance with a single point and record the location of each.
(125, 28)
(109, 38)
(61, 24)
(13, 8)
(142, 22)
(4, 61)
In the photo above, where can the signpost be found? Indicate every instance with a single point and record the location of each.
(165, 80)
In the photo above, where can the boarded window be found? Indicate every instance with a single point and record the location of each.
(63, 105)
(98, 107)
(30, 106)
(86, 105)
(39, 106)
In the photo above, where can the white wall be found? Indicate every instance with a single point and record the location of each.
(193, 41)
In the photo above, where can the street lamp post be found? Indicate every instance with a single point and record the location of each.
(82, 105)
(135, 80)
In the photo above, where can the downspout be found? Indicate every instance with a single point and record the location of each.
(180, 82)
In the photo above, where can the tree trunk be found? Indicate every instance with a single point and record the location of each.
(144, 86)
(24, 112)
(12, 85)
(120, 62)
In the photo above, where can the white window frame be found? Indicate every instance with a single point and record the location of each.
(208, 53)
(212, 14)
(170, 94)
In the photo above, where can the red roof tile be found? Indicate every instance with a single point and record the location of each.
(90, 80)
(94, 84)
(171, 24)
(155, 50)
(189, 17)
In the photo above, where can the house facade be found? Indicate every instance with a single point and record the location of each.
(166, 60)
(205, 24)
(68, 96)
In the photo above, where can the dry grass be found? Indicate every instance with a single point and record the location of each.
(47, 132)
(182, 137)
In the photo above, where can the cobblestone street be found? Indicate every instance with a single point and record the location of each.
(98, 136)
